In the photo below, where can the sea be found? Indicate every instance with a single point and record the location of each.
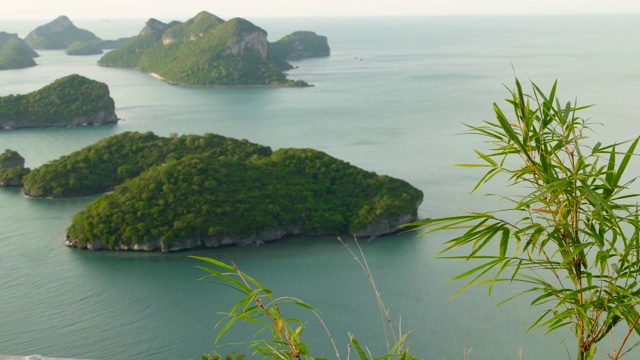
(394, 98)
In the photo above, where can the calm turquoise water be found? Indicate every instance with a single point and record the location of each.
(398, 111)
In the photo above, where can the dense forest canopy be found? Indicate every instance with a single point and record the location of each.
(100, 167)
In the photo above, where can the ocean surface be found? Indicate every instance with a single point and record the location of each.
(392, 98)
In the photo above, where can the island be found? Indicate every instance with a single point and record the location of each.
(209, 51)
(182, 192)
(12, 169)
(73, 100)
(58, 35)
(80, 48)
(15, 53)
(301, 45)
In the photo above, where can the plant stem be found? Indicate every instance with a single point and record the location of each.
(617, 355)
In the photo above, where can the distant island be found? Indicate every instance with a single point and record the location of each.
(58, 34)
(189, 191)
(15, 53)
(61, 34)
(73, 100)
(209, 51)
(79, 48)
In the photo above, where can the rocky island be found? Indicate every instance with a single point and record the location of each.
(15, 53)
(193, 191)
(12, 169)
(73, 100)
(209, 51)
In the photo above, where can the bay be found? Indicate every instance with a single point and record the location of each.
(391, 98)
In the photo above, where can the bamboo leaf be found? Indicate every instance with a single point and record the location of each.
(362, 355)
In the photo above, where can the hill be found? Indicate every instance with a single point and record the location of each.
(73, 100)
(15, 53)
(200, 199)
(207, 51)
(58, 34)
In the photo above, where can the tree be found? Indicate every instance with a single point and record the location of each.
(571, 235)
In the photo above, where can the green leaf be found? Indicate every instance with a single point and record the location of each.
(304, 350)
(362, 355)
(504, 242)
(214, 262)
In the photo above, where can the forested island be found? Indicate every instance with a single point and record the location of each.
(61, 34)
(58, 34)
(15, 53)
(73, 100)
(209, 51)
(189, 191)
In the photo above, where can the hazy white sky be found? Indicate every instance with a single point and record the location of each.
(183, 9)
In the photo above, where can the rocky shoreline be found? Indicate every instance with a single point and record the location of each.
(383, 227)
(101, 118)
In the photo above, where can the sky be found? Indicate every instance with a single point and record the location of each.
(184, 9)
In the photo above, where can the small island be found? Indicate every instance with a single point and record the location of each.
(80, 48)
(301, 45)
(12, 169)
(183, 192)
(209, 51)
(15, 53)
(73, 100)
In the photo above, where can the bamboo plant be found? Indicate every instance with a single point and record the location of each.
(569, 235)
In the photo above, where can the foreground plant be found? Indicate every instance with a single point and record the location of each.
(258, 306)
(570, 235)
